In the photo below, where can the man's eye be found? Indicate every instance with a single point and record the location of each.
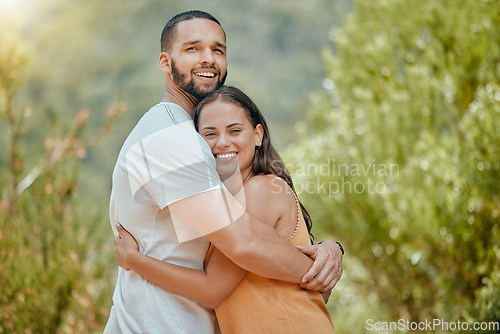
(191, 48)
(219, 51)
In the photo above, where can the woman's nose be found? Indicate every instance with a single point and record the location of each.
(223, 141)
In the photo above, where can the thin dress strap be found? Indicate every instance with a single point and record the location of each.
(298, 212)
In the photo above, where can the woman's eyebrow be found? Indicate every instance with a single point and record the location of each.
(208, 128)
(233, 124)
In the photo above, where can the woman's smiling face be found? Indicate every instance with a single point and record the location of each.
(230, 135)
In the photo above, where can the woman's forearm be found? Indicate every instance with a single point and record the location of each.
(187, 282)
(208, 287)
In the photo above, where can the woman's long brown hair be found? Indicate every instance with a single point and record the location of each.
(266, 159)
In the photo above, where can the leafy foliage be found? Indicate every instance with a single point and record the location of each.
(52, 272)
(413, 92)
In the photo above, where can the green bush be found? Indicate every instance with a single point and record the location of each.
(412, 109)
(54, 262)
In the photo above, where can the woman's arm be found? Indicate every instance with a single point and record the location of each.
(266, 200)
(208, 287)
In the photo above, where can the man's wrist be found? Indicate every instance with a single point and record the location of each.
(338, 243)
(340, 246)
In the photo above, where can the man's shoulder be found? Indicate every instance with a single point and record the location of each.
(162, 116)
(162, 128)
(171, 111)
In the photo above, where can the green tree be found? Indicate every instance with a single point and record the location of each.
(53, 275)
(412, 109)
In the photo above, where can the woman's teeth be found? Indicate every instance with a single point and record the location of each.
(225, 155)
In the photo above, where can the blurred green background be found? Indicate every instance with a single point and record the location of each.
(387, 113)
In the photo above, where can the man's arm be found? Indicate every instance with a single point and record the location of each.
(187, 170)
(252, 245)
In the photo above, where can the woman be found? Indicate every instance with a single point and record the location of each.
(252, 171)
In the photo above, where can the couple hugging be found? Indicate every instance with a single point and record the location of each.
(205, 213)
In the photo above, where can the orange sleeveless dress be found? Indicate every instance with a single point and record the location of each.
(261, 305)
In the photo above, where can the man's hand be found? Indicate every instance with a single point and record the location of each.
(126, 246)
(327, 268)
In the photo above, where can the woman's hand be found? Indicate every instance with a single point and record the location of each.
(126, 247)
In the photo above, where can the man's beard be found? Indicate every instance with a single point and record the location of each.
(190, 87)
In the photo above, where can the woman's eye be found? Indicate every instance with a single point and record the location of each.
(209, 134)
(235, 131)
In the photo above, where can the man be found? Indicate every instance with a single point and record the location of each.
(167, 193)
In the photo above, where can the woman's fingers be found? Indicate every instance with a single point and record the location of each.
(122, 232)
(119, 228)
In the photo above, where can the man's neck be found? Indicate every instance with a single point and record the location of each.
(181, 98)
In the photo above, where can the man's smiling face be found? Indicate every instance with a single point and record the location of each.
(198, 57)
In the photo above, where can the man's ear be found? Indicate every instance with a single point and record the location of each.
(164, 62)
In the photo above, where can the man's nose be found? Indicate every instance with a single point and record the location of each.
(207, 56)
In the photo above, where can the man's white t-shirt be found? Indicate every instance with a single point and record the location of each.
(162, 161)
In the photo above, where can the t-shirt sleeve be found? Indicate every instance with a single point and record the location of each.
(171, 164)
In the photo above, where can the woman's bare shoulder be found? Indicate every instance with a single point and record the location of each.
(268, 198)
(266, 186)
